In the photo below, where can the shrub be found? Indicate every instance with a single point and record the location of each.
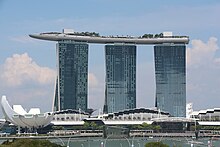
(28, 143)
(155, 144)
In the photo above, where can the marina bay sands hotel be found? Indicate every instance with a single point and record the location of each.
(71, 90)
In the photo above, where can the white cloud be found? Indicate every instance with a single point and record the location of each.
(93, 81)
(21, 69)
(202, 53)
(217, 60)
(96, 88)
(31, 84)
(25, 82)
(203, 74)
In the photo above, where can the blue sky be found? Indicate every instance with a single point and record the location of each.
(31, 82)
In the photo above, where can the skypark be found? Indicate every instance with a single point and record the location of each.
(93, 37)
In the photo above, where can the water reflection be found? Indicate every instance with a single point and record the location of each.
(134, 142)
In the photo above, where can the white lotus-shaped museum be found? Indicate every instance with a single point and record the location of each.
(19, 117)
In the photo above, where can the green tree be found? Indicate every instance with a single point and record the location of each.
(157, 128)
(93, 125)
(197, 127)
(161, 35)
(86, 125)
(146, 126)
(29, 143)
(156, 36)
(156, 144)
(57, 127)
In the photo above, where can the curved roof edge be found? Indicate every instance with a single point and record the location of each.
(108, 40)
(22, 119)
(7, 110)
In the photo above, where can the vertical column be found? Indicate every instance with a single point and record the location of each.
(170, 70)
(72, 70)
(120, 82)
(55, 100)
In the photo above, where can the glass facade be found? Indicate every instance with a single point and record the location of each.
(120, 82)
(170, 70)
(71, 87)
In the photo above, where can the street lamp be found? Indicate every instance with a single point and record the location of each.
(128, 142)
(107, 138)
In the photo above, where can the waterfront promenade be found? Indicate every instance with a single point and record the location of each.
(48, 136)
(135, 139)
(4, 136)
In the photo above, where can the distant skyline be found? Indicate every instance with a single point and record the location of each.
(28, 66)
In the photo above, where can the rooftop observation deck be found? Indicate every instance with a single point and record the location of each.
(96, 38)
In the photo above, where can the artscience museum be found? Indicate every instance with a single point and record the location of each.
(19, 117)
